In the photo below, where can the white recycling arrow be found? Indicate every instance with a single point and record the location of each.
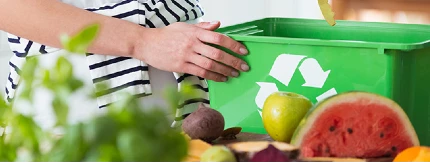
(266, 89)
(284, 67)
(329, 93)
(283, 70)
(260, 112)
(313, 74)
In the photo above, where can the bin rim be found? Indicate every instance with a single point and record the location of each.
(332, 43)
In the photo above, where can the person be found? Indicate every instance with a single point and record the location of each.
(142, 47)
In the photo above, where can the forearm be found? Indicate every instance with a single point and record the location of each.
(43, 21)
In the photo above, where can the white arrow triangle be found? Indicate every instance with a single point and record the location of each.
(327, 94)
(260, 112)
(313, 74)
(266, 89)
(284, 67)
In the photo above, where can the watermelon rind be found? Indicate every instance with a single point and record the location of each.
(308, 121)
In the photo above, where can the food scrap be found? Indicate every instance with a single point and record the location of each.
(327, 12)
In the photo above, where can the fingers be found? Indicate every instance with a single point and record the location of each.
(221, 40)
(214, 66)
(209, 25)
(221, 56)
(201, 72)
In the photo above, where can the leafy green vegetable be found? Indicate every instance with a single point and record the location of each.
(126, 132)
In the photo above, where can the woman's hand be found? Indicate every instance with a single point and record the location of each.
(181, 47)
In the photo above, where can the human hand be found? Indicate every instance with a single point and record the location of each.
(182, 47)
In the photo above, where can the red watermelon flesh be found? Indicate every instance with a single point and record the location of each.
(358, 125)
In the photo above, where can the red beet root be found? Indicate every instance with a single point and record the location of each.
(270, 154)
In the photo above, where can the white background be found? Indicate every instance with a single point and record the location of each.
(226, 11)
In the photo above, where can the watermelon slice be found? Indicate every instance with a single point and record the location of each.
(355, 125)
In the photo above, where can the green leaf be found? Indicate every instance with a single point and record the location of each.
(71, 147)
(29, 68)
(47, 82)
(175, 147)
(25, 134)
(104, 153)
(167, 142)
(81, 41)
(7, 152)
(135, 148)
(5, 110)
(75, 84)
(100, 130)
(188, 90)
(61, 109)
(63, 70)
(28, 75)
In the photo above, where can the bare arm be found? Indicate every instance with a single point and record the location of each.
(176, 48)
(44, 21)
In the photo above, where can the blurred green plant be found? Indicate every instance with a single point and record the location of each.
(125, 133)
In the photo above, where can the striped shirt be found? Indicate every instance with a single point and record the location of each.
(120, 74)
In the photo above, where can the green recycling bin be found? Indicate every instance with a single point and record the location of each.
(314, 59)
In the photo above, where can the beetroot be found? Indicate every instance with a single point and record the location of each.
(270, 154)
(269, 151)
(205, 123)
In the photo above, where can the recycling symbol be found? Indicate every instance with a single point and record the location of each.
(283, 70)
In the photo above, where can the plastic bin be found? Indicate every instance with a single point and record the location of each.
(314, 59)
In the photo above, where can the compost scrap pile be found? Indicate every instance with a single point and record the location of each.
(350, 126)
